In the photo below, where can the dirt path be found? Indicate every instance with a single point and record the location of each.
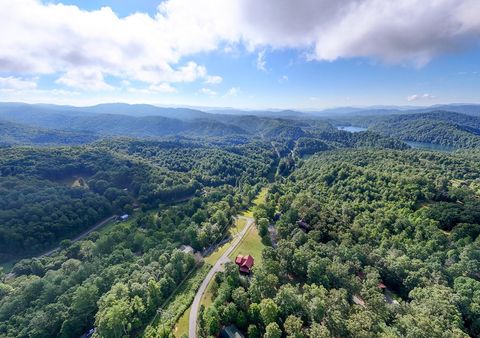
(217, 267)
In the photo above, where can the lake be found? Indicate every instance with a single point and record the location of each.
(351, 129)
(429, 146)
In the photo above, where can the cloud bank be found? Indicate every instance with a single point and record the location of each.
(84, 48)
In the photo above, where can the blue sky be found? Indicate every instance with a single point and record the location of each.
(240, 53)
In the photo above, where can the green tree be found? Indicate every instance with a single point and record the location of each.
(268, 311)
(272, 331)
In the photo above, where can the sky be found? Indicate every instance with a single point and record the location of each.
(285, 54)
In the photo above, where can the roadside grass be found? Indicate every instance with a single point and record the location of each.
(207, 298)
(182, 325)
(235, 229)
(179, 305)
(238, 226)
(214, 256)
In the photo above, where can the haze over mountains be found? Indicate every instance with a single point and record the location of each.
(55, 124)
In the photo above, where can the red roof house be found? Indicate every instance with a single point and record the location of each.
(245, 263)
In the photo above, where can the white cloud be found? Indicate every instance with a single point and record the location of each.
(208, 91)
(162, 88)
(215, 79)
(56, 38)
(14, 83)
(85, 47)
(392, 31)
(233, 91)
(261, 62)
(418, 97)
(84, 79)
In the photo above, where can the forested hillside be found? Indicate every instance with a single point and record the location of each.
(18, 134)
(388, 247)
(50, 194)
(445, 128)
(363, 237)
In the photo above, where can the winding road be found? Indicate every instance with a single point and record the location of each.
(217, 267)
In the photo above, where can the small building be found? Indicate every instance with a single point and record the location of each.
(187, 249)
(231, 331)
(304, 225)
(245, 263)
(124, 217)
(358, 300)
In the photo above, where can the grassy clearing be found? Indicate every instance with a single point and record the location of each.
(182, 325)
(261, 198)
(238, 226)
(252, 245)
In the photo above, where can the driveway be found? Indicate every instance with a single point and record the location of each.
(217, 267)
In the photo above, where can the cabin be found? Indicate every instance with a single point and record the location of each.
(187, 249)
(304, 225)
(245, 263)
(231, 331)
(124, 217)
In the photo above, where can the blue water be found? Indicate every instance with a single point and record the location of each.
(429, 146)
(351, 129)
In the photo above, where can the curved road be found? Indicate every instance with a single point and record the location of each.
(217, 267)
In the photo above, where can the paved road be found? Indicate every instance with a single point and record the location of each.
(82, 235)
(217, 267)
(78, 238)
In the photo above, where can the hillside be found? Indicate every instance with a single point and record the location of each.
(437, 127)
(18, 134)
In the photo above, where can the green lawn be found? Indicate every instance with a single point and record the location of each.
(252, 245)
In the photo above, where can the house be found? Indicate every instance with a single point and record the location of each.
(187, 249)
(358, 300)
(231, 331)
(304, 225)
(245, 263)
(124, 217)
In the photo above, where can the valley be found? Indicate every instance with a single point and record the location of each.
(327, 215)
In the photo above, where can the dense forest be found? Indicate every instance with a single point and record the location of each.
(391, 250)
(361, 235)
